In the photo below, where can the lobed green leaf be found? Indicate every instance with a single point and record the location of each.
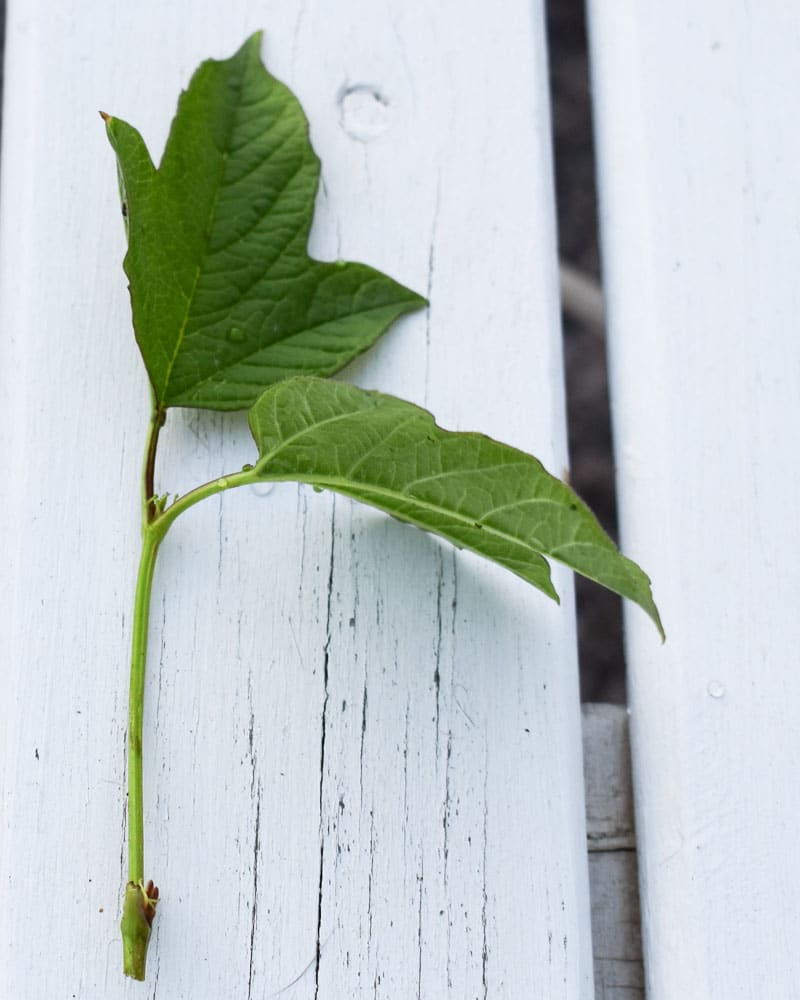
(225, 298)
(475, 492)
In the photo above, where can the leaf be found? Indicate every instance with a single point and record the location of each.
(224, 295)
(475, 492)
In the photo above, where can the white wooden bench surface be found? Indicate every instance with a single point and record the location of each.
(700, 217)
(409, 820)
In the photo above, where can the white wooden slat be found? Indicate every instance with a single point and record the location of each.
(700, 218)
(363, 769)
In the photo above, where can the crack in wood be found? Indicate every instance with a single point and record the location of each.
(429, 288)
(323, 734)
(420, 882)
(254, 909)
(484, 890)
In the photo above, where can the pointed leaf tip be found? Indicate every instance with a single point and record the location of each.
(106, 118)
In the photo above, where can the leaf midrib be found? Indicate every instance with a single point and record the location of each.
(288, 441)
(190, 296)
(346, 487)
(232, 122)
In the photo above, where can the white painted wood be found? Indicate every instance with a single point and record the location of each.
(363, 771)
(698, 153)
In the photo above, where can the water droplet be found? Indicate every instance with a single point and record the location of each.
(341, 263)
(236, 335)
(715, 689)
(247, 468)
(262, 489)
(318, 489)
(222, 482)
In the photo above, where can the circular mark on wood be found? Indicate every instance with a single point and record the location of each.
(364, 112)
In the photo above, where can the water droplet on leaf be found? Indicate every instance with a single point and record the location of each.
(236, 335)
(222, 482)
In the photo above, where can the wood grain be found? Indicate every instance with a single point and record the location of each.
(363, 772)
(699, 209)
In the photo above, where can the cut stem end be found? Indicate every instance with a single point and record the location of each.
(138, 911)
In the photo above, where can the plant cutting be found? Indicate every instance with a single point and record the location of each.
(230, 313)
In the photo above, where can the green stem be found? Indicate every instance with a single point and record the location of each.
(166, 517)
(149, 506)
(139, 906)
(152, 535)
(141, 618)
(140, 900)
